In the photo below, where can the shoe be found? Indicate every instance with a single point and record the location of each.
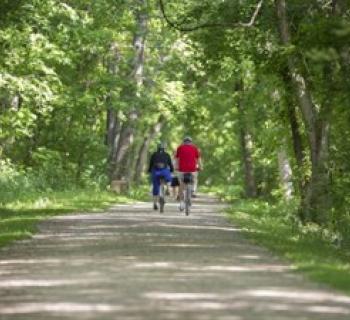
(194, 195)
(155, 206)
(182, 206)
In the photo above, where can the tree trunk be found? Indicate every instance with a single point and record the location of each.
(126, 140)
(315, 200)
(128, 128)
(131, 163)
(296, 136)
(249, 178)
(285, 172)
(112, 140)
(246, 147)
(297, 141)
(13, 102)
(112, 120)
(340, 8)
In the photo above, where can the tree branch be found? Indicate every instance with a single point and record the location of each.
(183, 28)
(254, 16)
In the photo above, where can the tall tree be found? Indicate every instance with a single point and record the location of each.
(127, 130)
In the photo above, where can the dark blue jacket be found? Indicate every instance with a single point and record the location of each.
(160, 160)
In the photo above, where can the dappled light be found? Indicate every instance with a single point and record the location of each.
(215, 268)
(251, 257)
(298, 296)
(36, 283)
(52, 308)
(133, 263)
(250, 268)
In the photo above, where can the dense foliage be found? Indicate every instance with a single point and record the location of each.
(88, 87)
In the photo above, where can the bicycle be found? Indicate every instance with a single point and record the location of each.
(188, 181)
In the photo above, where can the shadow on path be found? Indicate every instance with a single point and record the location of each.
(132, 263)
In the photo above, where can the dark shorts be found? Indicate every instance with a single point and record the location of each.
(175, 182)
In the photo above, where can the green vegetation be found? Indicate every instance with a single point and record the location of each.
(18, 219)
(87, 89)
(313, 250)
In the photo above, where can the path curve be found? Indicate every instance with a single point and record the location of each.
(131, 263)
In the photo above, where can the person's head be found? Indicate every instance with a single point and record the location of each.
(187, 140)
(161, 147)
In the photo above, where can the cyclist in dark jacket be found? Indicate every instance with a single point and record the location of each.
(160, 166)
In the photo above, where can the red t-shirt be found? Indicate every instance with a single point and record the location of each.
(187, 156)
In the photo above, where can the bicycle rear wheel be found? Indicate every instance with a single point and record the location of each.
(188, 198)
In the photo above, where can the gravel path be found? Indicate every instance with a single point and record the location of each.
(132, 263)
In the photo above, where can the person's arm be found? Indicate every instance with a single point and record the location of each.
(200, 164)
(170, 163)
(199, 160)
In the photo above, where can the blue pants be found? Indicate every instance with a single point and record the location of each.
(157, 174)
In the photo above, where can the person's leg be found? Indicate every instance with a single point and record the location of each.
(195, 182)
(166, 175)
(181, 191)
(177, 193)
(156, 187)
(181, 186)
(175, 186)
(168, 178)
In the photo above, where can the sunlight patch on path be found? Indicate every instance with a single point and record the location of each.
(133, 263)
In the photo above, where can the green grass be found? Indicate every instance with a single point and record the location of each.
(308, 248)
(18, 219)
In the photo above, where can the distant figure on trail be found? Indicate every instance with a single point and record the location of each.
(160, 166)
(188, 160)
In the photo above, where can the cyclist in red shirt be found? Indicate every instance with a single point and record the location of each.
(188, 160)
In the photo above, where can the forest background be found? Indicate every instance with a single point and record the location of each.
(88, 88)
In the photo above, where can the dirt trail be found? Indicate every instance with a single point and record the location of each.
(132, 263)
